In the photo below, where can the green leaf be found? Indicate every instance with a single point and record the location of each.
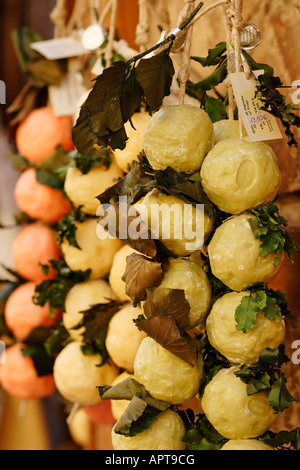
(43, 363)
(214, 57)
(269, 227)
(40, 71)
(271, 310)
(275, 103)
(99, 156)
(142, 409)
(279, 396)
(261, 299)
(210, 82)
(176, 184)
(215, 108)
(57, 340)
(257, 66)
(283, 439)
(49, 172)
(66, 227)
(203, 436)
(246, 313)
(54, 291)
(258, 385)
(19, 162)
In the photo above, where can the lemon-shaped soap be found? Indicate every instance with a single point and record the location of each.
(82, 297)
(123, 337)
(181, 227)
(117, 271)
(80, 428)
(188, 276)
(238, 175)
(83, 189)
(226, 129)
(94, 252)
(235, 345)
(78, 375)
(230, 410)
(246, 444)
(235, 258)
(134, 147)
(118, 407)
(165, 433)
(164, 375)
(179, 136)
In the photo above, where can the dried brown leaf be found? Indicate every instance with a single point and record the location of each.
(141, 273)
(166, 333)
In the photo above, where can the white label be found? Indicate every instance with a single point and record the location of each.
(60, 48)
(65, 97)
(259, 124)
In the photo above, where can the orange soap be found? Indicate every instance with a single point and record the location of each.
(22, 315)
(41, 132)
(100, 413)
(41, 202)
(18, 377)
(35, 244)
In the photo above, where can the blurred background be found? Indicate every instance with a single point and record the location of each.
(41, 425)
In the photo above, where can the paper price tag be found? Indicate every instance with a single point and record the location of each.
(60, 48)
(259, 124)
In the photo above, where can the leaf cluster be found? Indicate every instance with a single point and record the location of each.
(265, 375)
(42, 346)
(272, 304)
(54, 291)
(39, 72)
(275, 103)
(141, 411)
(201, 435)
(49, 172)
(66, 227)
(7, 287)
(166, 319)
(140, 180)
(95, 322)
(270, 228)
(116, 95)
(99, 156)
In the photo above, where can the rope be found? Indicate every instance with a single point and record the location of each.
(105, 13)
(78, 15)
(143, 27)
(109, 52)
(234, 23)
(184, 72)
(58, 18)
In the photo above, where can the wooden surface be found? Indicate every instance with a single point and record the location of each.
(288, 282)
